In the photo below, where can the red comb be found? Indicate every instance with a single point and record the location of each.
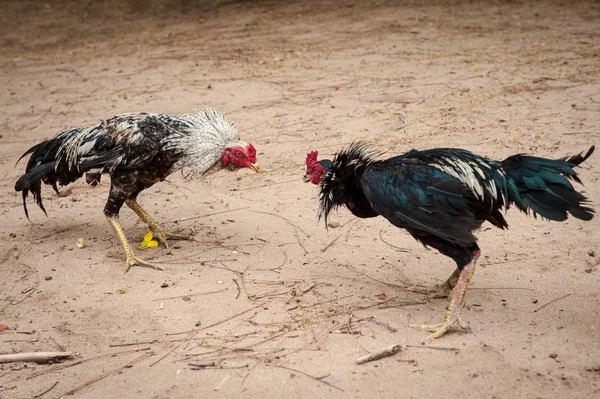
(311, 158)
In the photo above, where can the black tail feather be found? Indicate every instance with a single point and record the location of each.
(540, 185)
(41, 167)
(32, 182)
(29, 151)
(578, 158)
(36, 174)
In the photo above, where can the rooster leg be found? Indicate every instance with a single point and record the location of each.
(131, 258)
(456, 301)
(439, 290)
(157, 230)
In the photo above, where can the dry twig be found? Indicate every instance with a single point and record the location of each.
(207, 215)
(552, 301)
(37, 357)
(103, 376)
(281, 217)
(189, 295)
(306, 374)
(442, 348)
(39, 395)
(389, 351)
(391, 245)
(239, 290)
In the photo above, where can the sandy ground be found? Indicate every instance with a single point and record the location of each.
(266, 302)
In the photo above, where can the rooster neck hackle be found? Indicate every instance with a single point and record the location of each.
(341, 183)
(203, 143)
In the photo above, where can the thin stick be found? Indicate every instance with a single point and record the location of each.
(552, 301)
(219, 322)
(385, 352)
(195, 262)
(181, 296)
(281, 217)
(391, 245)
(38, 357)
(300, 242)
(59, 231)
(319, 303)
(303, 373)
(441, 348)
(108, 374)
(330, 243)
(277, 269)
(372, 278)
(356, 220)
(381, 323)
(29, 292)
(134, 343)
(581, 132)
(39, 395)
(65, 366)
(207, 215)
(500, 288)
(269, 185)
(348, 221)
(239, 290)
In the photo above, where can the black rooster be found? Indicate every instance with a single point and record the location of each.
(137, 150)
(441, 196)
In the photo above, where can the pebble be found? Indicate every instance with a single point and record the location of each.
(164, 285)
(48, 278)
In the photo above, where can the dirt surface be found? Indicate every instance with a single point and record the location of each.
(266, 302)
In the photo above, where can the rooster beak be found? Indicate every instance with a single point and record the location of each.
(255, 167)
(306, 178)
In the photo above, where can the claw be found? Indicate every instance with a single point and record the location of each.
(439, 290)
(133, 260)
(157, 231)
(440, 329)
(162, 235)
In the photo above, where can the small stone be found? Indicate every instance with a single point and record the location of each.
(591, 252)
(164, 285)
(48, 278)
(554, 355)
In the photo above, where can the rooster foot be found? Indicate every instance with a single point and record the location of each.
(460, 279)
(157, 230)
(163, 235)
(439, 290)
(440, 329)
(132, 260)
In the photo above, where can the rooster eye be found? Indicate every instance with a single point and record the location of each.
(238, 154)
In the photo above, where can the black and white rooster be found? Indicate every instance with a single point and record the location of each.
(137, 150)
